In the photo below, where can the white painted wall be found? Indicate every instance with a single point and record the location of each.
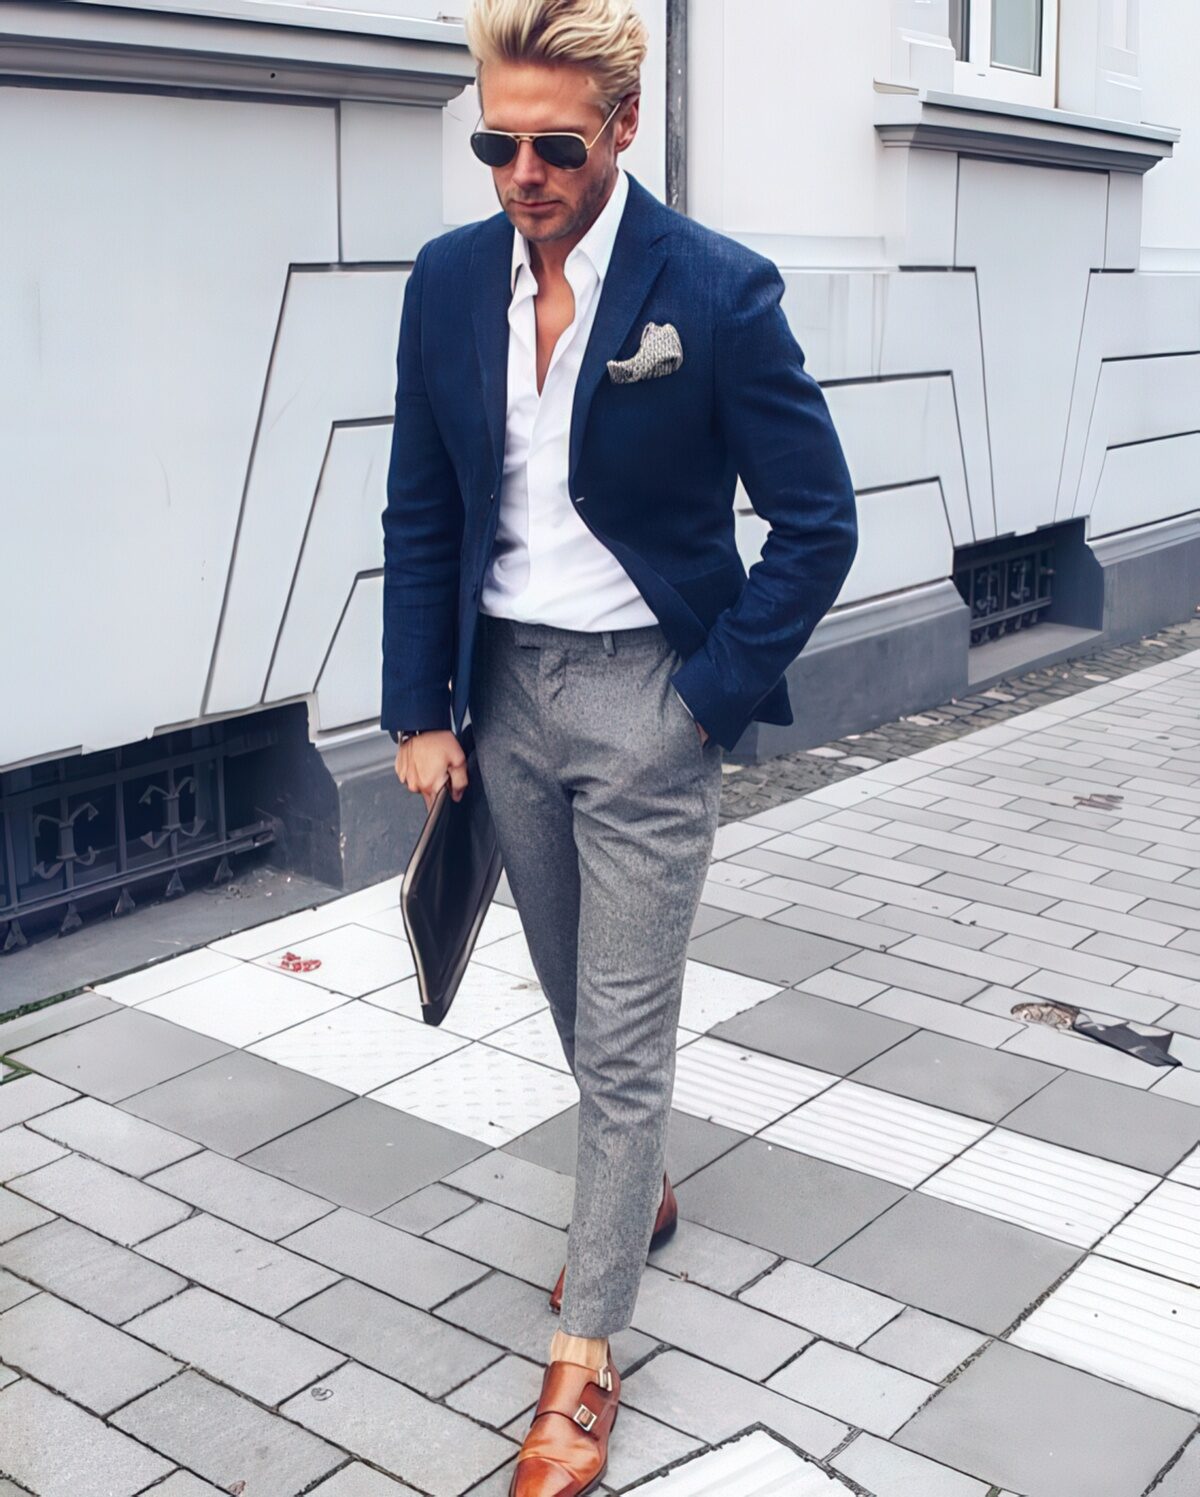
(201, 297)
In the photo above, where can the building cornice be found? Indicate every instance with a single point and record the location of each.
(930, 119)
(235, 46)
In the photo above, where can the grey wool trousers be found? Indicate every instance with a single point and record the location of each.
(605, 804)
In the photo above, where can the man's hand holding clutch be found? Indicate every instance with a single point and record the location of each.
(425, 762)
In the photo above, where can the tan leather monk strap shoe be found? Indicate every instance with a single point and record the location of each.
(566, 1450)
(664, 1226)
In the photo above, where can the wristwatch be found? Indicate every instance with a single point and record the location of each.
(407, 733)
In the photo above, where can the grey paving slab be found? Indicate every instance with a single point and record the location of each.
(836, 927)
(418, 1271)
(1183, 1479)
(516, 1317)
(393, 1338)
(829, 1307)
(366, 1155)
(712, 1404)
(714, 1259)
(236, 1103)
(964, 887)
(885, 1470)
(925, 1345)
(1045, 1430)
(960, 1020)
(262, 1275)
(897, 972)
(939, 859)
(957, 1075)
(643, 1447)
(89, 1271)
(123, 1053)
(1109, 1120)
(104, 1200)
(234, 1345)
(500, 1238)
(813, 1031)
(974, 932)
(184, 1484)
(853, 1388)
(426, 1444)
(236, 1193)
(75, 1354)
(54, 1449)
(783, 1201)
(226, 1439)
(501, 1392)
(28, 1096)
(764, 949)
(113, 1137)
(357, 1480)
(13, 1290)
(427, 1208)
(728, 1332)
(22, 1151)
(52, 1018)
(18, 1216)
(519, 1184)
(960, 1264)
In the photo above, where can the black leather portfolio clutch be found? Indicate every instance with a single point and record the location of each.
(448, 886)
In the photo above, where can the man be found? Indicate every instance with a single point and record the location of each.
(581, 379)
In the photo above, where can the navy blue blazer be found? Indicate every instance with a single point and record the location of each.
(652, 470)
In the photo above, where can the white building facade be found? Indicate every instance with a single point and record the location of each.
(987, 215)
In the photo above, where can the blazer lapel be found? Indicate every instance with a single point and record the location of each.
(639, 252)
(490, 293)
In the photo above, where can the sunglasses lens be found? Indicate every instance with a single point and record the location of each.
(493, 150)
(566, 151)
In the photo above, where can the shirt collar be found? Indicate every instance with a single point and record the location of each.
(596, 244)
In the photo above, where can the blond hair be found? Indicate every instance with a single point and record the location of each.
(606, 37)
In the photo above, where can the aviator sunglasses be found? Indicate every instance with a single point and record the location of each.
(556, 147)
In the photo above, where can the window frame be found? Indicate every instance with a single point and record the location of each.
(987, 81)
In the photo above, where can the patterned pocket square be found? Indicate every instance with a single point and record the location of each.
(660, 353)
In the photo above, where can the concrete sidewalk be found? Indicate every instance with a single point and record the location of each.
(263, 1231)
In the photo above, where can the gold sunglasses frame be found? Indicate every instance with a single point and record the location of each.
(518, 137)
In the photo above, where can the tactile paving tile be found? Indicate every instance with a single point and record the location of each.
(741, 1088)
(752, 1464)
(1058, 1192)
(1162, 1234)
(875, 1132)
(1187, 1171)
(482, 1092)
(1123, 1324)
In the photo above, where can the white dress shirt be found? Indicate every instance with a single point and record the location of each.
(546, 566)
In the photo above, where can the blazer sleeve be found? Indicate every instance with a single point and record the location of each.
(778, 430)
(422, 543)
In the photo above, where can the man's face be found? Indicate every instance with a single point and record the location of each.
(546, 202)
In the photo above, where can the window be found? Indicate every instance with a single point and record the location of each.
(1006, 49)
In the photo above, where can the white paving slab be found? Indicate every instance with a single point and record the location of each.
(1162, 1234)
(742, 1089)
(242, 1005)
(752, 1464)
(358, 1046)
(351, 960)
(1059, 1192)
(876, 1132)
(487, 999)
(1124, 1324)
(165, 977)
(482, 1092)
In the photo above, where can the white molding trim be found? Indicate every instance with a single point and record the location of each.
(240, 46)
(1029, 133)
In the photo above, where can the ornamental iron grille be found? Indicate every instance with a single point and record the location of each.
(1005, 584)
(84, 831)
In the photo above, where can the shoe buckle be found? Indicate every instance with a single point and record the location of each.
(585, 1417)
(604, 1378)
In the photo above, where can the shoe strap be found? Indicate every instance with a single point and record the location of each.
(581, 1393)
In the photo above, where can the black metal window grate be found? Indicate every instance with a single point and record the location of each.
(1006, 586)
(83, 832)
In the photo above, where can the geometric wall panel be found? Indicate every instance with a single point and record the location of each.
(334, 360)
(344, 538)
(348, 685)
